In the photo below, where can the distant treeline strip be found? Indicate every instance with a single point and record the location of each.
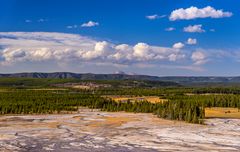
(178, 107)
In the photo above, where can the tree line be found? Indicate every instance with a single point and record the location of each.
(189, 108)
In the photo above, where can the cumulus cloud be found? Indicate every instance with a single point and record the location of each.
(155, 16)
(170, 29)
(194, 29)
(178, 45)
(99, 51)
(24, 47)
(199, 57)
(142, 51)
(122, 53)
(191, 41)
(90, 24)
(194, 12)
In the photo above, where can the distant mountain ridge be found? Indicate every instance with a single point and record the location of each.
(121, 76)
(82, 76)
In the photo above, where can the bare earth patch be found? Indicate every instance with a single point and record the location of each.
(91, 131)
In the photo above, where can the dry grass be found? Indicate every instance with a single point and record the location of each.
(152, 99)
(218, 112)
(155, 99)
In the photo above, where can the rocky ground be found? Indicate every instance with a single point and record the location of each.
(119, 132)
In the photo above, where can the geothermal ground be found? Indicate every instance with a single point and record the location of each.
(89, 131)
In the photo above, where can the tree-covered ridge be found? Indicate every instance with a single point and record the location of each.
(124, 76)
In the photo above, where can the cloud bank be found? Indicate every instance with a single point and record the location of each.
(62, 48)
(38, 46)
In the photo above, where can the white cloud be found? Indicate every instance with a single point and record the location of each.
(170, 29)
(99, 51)
(155, 16)
(191, 41)
(175, 57)
(13, 55)
(142, 51)
(178, 45)
(90, 24)
(152, 17)
(194, 29)
(60, 47)
(199, 57)
(194, 12)
(72, 26)
(123, 51)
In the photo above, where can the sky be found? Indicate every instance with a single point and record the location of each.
(151, 37)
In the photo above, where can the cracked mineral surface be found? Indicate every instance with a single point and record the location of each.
(89, 131)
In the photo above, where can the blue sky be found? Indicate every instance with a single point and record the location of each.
(104, 36)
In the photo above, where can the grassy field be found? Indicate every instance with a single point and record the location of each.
(219, 112)
(151, 99)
